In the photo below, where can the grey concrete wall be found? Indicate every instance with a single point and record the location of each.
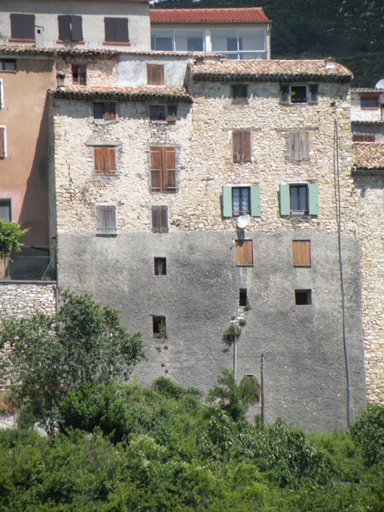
(305, 379)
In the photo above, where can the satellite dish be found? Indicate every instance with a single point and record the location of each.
(243, 221)
(380, 84)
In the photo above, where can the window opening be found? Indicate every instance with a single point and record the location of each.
(106, 220)
(240, 201)
(116, 30)
(159, 219)
(155, 74)
(7, 65)
(159, 327)
(298, 94)
(301, 253)
(363, 138)
(369, 102)
(163, 169)
(303, 297)
(158, 113)
(23, 26)
(243, 299)
(105, 162)
(160, 266)
(70, 28)
(239, 93)
(5, 210)
(298, 199)
(79, 74)
(244, 253)
(105, 110)
(241, 146)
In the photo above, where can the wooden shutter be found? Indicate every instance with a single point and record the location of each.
(110, 26)
(155, 74)
(169, 164)
(227, 201)
(109, 110)
(77, 28)
(244, 252)
(301, 252)
(246, 146)
(106, 220)
(2, 142)
(236, 146)
(285, 208)
(109, 160)
(313, 94)
(299, 146)
(284, 94)
(64, 28)
(159, 219)
(122, 30)
(98, 152)
(23, 26)
(255, 201)
(156, 161)
(313, 194)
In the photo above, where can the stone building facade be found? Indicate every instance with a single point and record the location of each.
(182, 205)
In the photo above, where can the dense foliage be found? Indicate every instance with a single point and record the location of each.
(10, 234)
(163, 449)
(352, 31)
(83, 345)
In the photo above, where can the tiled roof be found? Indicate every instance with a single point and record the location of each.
(368, 156)
(366, 90)
(268, 70)
(244, 14)
(94, 52)
(103, 92)
(367, 123)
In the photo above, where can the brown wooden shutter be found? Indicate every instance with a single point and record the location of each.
(2, 142)
(299, 146)
(244, 252)
(246, 146)
(99, 158)
(155, 74)
(170, 169)
(156, 161)
(109, 160)
(106, 220)
(236, 145)
(301, 251)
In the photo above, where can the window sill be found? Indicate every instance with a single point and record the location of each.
(120, 43)
(11, 39)
(106, 235)
(62, 41)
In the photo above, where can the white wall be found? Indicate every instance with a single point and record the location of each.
(358, 114)
(132, 72)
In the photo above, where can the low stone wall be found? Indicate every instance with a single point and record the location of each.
(18, 299)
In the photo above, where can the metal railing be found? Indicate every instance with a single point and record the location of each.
(244, 55)
(29, 268)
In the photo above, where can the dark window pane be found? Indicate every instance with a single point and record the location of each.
(98, 110)
(299, 198)
(195, 44)
(239, 90)
(231, 44)
(5, 210)
(240, 201)
(160, 266)
(298, 94)
(163, 44)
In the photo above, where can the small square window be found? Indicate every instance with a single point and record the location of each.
(104, 110)
(301, 253)
(367, 103)
(160, 266)
(5, 210)
(244, 253)
(159, 327)
(243, 299)
(298, 94)
(79, 74)
(106, 220)
(155, 74)
(303, 297)
(239, 93)
(7, 65)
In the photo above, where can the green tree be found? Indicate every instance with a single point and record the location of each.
(10, 233)
(51, 354)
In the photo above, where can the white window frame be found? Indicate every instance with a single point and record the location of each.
(5, 141)
(1, 93)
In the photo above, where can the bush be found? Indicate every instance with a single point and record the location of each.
(368, 434)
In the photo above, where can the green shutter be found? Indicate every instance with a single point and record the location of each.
(313, 92)
(284, 93)
(313, 193)
(227, 201)
(255, 201)
(284, 200)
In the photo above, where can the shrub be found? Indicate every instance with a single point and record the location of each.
(368, 434)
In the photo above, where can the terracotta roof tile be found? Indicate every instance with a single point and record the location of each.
(367, 90)
(122, 93)
(270, 70)
(244, 14)
(368, 156)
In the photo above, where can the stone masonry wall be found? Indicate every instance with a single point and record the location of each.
(23, 299)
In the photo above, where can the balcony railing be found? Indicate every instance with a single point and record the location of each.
(244, 55)
(28, 268)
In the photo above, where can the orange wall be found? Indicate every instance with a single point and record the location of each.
(24, 171)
